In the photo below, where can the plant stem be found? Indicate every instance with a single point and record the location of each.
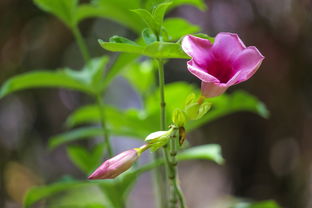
(81, 43)
(160, 174)
(174, 177)
(169, 169)
(101, 106)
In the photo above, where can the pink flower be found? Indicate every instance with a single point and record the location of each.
(115, 166)
(222, 64)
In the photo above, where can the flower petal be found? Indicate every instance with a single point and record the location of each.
(247, 62)
(210, 89)
(197, 48)
(200, 73)
(227, 46)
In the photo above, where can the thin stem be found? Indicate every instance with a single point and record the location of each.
(160, 173)
(166, 150)
(174, 179)
(81, 43)
(101, 106)
(161, 77)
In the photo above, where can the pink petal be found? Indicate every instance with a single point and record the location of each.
(247, 62)
(227, 46)
(200, 73)
(209, 89)
(197, 48)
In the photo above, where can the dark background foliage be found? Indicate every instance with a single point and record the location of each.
(265, 159)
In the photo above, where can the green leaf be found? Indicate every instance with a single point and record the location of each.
(118, 11)
(122, 62)
(86, 161)
(200, 4)
(125, 123)
(120, 39)
(177, 28)
(148, 36)
(76, 193)
(37, 193)
(148, 18)
(227, 104)
(73, 135)
(63, 9)
(223, 105)
(141, 76)
(91, 74)
(39, 79)
(176, 94)
(122, 47)
(160, 11)
(87, 80)
(262, 204)
(155, 50)
(205, 36)
(208, 152)
(165, 50)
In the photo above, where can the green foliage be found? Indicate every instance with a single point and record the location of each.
(75, 194)
(37, 193)
(148, 36)
(159, 13)
(262, 204)
(141, 76)
(148, 19)
(122, 62)
(178, 27)
(200, 4)
(130, 122)
(118, 11)
(86, 161)
(73, 135)
(40, 79)
(154, 50)
(87, 80)
(205, 36)
(227, 104)
(207, 152)
(63, 9)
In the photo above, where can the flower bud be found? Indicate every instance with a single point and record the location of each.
(191, 111)
(115, 166)
(178, 117)
(158, 139)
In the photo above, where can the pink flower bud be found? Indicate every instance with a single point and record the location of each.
(222, 64)
(115, 166)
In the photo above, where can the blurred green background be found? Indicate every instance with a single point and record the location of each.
(265, 159)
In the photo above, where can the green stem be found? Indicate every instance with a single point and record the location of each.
(81, 43)
(169, 172)
(174, 177)
(170, 151)
(101, 106)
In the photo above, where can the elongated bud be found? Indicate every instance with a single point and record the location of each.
(116, 165)
(158, 139)
(178, 117)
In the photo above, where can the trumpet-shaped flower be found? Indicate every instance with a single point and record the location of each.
(116, 165)
(222, 64)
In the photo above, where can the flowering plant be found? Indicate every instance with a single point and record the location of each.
(179, 107)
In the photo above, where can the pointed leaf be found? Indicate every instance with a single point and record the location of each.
(178, 27)
(148, 18)
(39, 79)
(63, 9)
(160, 11)
(73, 135)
